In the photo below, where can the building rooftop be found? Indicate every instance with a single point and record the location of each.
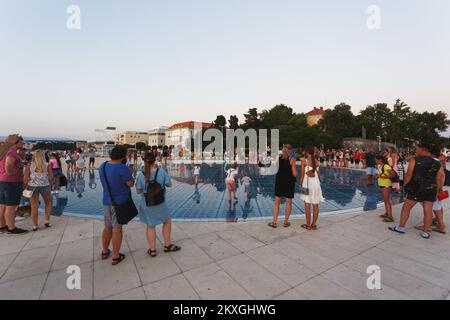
(316, 112)
(190, 124)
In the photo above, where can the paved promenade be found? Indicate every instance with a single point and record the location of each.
(244, 260)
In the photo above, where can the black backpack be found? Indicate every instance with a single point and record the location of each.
(155, 193)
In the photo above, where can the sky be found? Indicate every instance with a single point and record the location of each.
(141, 64)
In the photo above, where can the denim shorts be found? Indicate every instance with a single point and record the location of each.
(57, 172)
(10, 193)
(370, 171)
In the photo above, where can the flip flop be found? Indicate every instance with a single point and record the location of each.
(425, 235)
(388, 219)
(118, 260)
(305, 226)
(272, 225)
(105, 255)
(287, 224)
(172, 248)
(439, 231)
(395, 229)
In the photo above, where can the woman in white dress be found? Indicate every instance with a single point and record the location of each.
(310, 189)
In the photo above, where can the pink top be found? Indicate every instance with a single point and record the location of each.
(54, 163)
(17, 171)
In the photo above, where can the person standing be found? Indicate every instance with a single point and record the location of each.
(230, 181)
(38, 177)
(11, 186)
(196, 171)
(8, 144)
(385, 174)
(55, 163)
(393, 162)
(159, 214)
(422, 181)
(120, 182)
(310, 189)
(284, 185)
(92, 152)
(371, 169)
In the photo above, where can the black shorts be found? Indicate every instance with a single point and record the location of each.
(91, 160)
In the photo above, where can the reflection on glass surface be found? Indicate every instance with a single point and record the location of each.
(342, 189)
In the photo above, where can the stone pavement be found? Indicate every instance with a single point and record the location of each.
(244, 260)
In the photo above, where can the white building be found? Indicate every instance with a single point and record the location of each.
(179, 135)
(131, 137)
(157, 137)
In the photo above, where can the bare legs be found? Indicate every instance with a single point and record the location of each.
(276, 211)
(113, 235)
(387, 202)
(312, 224)
(7, 216)
(166, 232)
(34, 201)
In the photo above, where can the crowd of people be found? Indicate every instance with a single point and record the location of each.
(36, 176)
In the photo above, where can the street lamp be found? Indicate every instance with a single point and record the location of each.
(379, 143)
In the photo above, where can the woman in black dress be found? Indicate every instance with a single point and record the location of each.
(284, 185)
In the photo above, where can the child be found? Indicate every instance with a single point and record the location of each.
(246, 182)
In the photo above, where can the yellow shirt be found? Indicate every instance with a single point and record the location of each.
(383, 171)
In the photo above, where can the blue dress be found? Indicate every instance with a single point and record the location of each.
(152, 216)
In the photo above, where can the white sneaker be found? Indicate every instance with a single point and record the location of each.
(20, 218)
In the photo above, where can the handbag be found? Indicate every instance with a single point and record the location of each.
(28, 192)
(126, 211)
(443, 195)
(305, 191)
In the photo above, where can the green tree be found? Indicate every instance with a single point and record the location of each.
(376, 119)
(252, 120)
(234, 122)
(340, 121)
(276, 117)
(220, 122)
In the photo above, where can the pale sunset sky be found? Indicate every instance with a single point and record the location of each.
(140, 64)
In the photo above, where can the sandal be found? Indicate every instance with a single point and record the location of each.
(439, 231)
(35, 229)
(396, 229)
(272, 225)
(313, 227)
(287, 224)
(305, 226)
(152, 253)
(384, 216)
(420, 228)
(425, 235)
(47, 225)
(388, 219)
(105, 255)
(118, 260)
(172, 248)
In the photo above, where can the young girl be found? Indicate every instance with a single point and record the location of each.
(310, 189)
(155, 215)
(385, 174)
(55, 163)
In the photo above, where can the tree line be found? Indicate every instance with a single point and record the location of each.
(397, 124)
